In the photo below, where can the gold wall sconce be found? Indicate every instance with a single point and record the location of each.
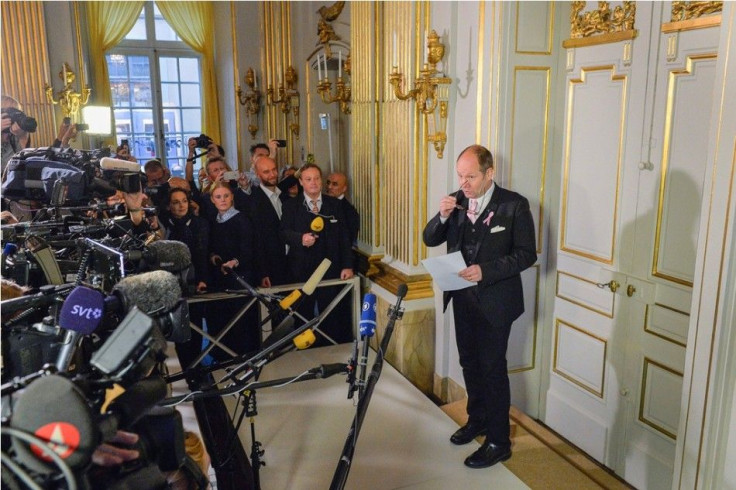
(251, 100)
(69, 100)
(431, 91)
(324, 86)
(287, 98)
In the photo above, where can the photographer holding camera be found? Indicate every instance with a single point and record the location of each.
(16, 129)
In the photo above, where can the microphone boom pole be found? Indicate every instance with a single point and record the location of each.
(343, 466)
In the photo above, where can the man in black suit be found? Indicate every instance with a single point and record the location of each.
(337, 186)
(308, 246)
(265, 209)
(494, 230)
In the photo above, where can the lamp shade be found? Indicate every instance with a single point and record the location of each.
(98, 118)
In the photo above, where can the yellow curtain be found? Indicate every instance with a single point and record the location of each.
(108, 24)
(194, 23)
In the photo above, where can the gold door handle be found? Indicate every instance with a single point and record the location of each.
(630, 290)
(613, 285)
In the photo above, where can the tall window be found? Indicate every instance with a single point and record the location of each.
(156, 91)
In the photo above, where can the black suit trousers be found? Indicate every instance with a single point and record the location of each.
(481, 345)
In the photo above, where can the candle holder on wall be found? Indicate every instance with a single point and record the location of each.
(251, 100)
(324, 86)
(287, 98)
(431, 92)
(69, 100)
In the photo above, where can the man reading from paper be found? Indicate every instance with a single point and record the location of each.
(493, 229)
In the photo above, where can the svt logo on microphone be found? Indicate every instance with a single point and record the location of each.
(86, 312)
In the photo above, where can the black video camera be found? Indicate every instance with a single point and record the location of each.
(26, 123)
(129, 182)
(203, 141)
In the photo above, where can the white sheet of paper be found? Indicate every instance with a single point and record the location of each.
(444, 271)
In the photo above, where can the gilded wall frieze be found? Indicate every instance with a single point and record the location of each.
(682, 10)
(602, 20)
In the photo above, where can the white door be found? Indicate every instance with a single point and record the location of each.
(636, 126)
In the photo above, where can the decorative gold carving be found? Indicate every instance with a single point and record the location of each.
(682, 10)
(325, 31)
(251, 100)
(431, 90)
(602, 20)
(69, 100)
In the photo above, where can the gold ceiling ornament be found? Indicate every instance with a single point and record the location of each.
(325, 31)
(431, 90)
(251, 100)
(288, 98)
(601, 21)
(69, 100)
(682, 10)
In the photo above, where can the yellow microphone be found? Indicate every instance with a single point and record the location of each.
(317, 225)
(305, 339)
(308, 287)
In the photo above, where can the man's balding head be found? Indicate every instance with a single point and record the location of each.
(337, 184)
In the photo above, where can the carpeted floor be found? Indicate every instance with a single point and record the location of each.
(543, 460)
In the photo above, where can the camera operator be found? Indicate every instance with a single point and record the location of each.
(16, 129)
(123, 152)
(157, 186)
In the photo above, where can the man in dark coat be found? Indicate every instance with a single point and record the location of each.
(309, 245)
(494, 230)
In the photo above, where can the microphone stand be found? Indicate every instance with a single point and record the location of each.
(343, 466)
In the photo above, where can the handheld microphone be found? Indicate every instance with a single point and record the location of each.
(80, 315)
(317, 225)
(367, 327)
(118, 165)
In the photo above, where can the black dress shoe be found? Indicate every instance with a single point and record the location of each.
(467, 433)
(487, 455)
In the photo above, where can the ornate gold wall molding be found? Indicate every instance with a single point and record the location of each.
(687, 16)
(389, 278)
(692, 10)
(602, 25)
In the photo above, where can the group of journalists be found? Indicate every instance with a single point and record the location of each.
(99, 255)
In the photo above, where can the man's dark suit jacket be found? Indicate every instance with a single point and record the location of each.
(270, 248)
(296, 220)
(352, 218)
(506, 247)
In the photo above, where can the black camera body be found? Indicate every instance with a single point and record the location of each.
(26, 123)
(203, 141)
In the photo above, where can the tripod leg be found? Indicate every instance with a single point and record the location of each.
(232, 468)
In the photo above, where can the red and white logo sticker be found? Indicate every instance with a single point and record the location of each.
(62, 437)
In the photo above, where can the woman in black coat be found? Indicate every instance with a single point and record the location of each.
(232, 239)
(182, 225)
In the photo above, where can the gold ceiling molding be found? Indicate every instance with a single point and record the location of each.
(602, 25)
(687, 16)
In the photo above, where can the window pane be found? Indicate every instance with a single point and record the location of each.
(168, 68)
(142, 94)
(138, 32)
(117, 65)
(189, 69)
(164, 32)
(190, 94)
(192, 120)
(139, 67)
(170, 95)
(122, 121)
